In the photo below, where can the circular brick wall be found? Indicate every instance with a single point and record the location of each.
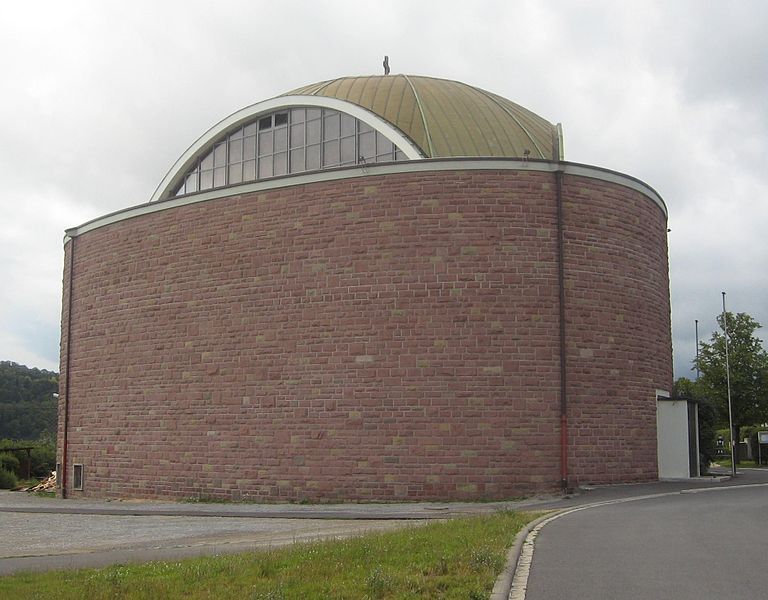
(383, 337)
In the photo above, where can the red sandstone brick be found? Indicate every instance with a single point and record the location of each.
(180, 315)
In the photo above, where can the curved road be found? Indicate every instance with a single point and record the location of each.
(690, 545)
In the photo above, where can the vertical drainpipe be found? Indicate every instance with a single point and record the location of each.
(69, 354)
(563, 370)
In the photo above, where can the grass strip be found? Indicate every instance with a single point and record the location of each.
(725, 463)
(459, 558)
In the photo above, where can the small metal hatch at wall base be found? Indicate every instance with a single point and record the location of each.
(77, 477)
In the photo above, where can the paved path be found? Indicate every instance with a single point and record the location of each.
(691, 545)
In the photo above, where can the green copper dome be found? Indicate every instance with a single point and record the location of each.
(447, 118)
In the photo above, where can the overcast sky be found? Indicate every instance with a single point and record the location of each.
(100, 98)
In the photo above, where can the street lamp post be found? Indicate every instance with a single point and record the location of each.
(728, 382)
(697, 349)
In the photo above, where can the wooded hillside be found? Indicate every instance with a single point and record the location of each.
(27, 406)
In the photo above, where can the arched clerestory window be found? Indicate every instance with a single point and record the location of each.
(287, 141)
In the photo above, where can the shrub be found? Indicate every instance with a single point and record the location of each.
(43, 460)
(9, 463)
(750, 433)
(707, 433)
(8, 480)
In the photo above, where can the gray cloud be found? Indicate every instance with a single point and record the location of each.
(102, 98)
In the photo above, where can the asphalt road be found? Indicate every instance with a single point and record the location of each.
(690, 545)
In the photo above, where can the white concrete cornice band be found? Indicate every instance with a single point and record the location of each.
(414, 166)
(177, 172)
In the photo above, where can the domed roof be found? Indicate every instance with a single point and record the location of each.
(447, 118)
(354, 121)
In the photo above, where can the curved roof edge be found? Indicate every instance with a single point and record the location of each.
(426, 165)
(186, 160)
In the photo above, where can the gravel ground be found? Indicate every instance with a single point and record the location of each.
(45, 533)
(48, 534)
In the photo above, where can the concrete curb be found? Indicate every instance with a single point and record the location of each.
(283, 514)
(713, 479)
(503, 585)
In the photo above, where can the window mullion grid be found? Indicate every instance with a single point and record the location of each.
(305, 125)
(361, 160)
(196, 172)
(226, 160)
(288, 160)
(258, 151)
(322, 138)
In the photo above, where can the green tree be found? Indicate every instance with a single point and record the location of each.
(27, 405)
(684, 388)
(748, 362)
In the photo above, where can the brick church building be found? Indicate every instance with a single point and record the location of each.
(370, 288)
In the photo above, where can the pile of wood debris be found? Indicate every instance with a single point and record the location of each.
(47, 485)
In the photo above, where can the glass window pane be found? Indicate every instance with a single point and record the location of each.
(235, 150)
(400, 155)
(297, 115)
(265, 167)
(265, 143)
(383, 145)
(331, 153)
(367, 145)
(313, 113)
(313, 132)
(265, 122)
(250, 129)
(331, 124)
(347, 125)
(297, 135)
(281, 163)
(297, 160)
(313, 157)
(281, 119)
(190, 185)
(364, 127)
(348, 151)
(236, 134)
(281, 139)
(220, 155)
(249, 150)
(249, 170)
(207, 162)
(206, 180)
(219, 177)
(235, 173)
